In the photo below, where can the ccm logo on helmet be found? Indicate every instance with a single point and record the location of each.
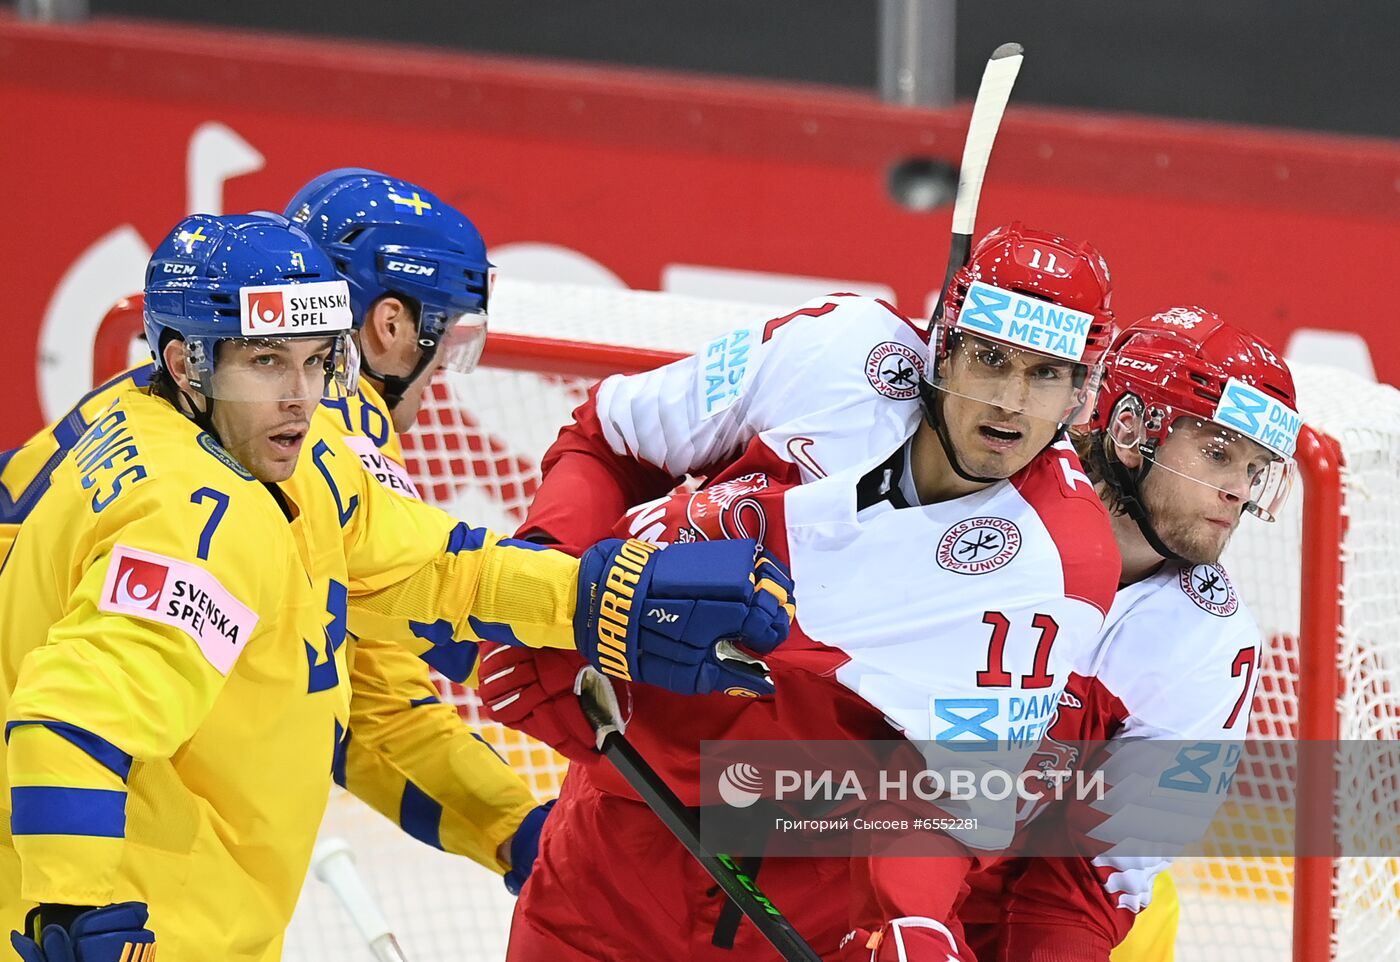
(410, 267)
(179, 269)
(1137, 365)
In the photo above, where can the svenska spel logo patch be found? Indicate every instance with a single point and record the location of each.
(139, 583)
(279, 310)
(266, 310)
(154, 587)
(1025, 321)
(385, 469)
(894, 370)
(978, 545)
(1210, 588)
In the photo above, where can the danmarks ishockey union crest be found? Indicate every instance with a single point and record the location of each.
(979, 545)
(1210, 588)
(894, 370)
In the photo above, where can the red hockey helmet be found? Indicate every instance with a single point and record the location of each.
(1188, 366)
(1031, 292)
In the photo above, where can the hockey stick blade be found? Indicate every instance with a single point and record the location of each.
(992, 96)
(333, 862)
(684, 824)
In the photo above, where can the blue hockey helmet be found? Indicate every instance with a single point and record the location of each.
(388, 236)
(248, 278)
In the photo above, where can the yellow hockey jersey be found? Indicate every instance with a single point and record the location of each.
(25, 471)
(173, 667)
(407, 754)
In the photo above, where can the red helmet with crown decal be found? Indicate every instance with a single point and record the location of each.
(1187, 362)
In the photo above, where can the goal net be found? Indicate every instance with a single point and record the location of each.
(1324, 583)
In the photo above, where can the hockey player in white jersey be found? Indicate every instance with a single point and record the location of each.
(1195, 426)
(955, 562)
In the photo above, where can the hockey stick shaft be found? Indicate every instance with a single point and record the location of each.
(684, 824)
(333, 863)
(992, 96)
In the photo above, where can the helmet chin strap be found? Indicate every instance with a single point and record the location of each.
(181, 400)
(396, 385)
(1129, 483)
(205, 419)
(184, 402)
(931, 399)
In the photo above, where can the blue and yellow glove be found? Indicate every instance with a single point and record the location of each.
(65, 933)
(672, 617)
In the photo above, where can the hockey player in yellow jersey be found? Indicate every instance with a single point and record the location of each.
(176, 607)
(420, 285)
(406, 753)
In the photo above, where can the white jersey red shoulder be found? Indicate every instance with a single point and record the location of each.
(635, 437)
(1179, 660)
(810, 384)
(957, 622)
(1178, 669)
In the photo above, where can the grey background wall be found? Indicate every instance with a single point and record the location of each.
(1333, 67)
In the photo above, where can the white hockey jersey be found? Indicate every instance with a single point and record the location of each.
(1163, 711)
(960, 622)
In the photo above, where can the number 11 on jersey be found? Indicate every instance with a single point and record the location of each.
(996, 675)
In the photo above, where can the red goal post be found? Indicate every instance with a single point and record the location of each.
(1324, 676)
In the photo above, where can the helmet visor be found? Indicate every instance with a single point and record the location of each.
(1013, 379)
(463, 339)
(272, 369)
(1220, 458)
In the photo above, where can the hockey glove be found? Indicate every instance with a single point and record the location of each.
(112, 933)
(534, 690)
(671, 617)
(525, 847)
